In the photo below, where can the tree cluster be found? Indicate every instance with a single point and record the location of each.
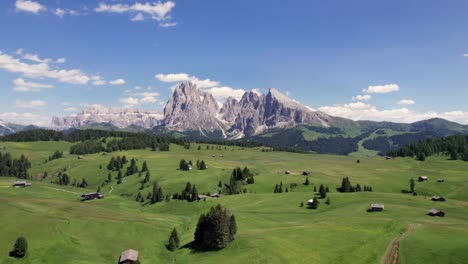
(189, 193)
(201, 165)
(239, 177)
(14, 167)
(184, 165)
(57, 155)
(215, 229)
(116, 163)
(86, 147)
(133, 168)
(157, 195)
(347, 187)
(455, 146)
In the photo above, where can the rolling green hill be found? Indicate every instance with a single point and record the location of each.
(272, 228)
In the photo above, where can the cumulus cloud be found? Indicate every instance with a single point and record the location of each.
(62, 12)
(139, 98)
(364, 111)
(387, 88)
(35, 57)
(41, 70)
(117, 82)
(29, 104)
(222, 93)
(158, 11)
(167, 24)
(180, 77)
(129, 101)
(406, 102)
(465, 55)
(22, 85)
(359, 97)
(29, 6)
(97, 80)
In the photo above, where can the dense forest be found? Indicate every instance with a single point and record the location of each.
(456, 146)
(14, 167)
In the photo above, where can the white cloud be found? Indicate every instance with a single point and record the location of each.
(404, 115)
(387, 88)
(465, 55)
(25, 118)
(406, 102)
(62, 12)
(41, 70)
(88, 105)
(168, 24)
(97, 80)
(180, 77)
(29, 104)
(29, 6)
(158, 11)
(222, 93)
(22, 85)
(129, 101)
(117, 82)
(138, 17)
(70, 109)
(359, 97)
(257, 91)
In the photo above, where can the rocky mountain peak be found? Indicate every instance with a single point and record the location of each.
(190, 108)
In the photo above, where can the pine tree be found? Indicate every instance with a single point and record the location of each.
(215, 229)
(202, 165)
(421, 156)
(119, 177)
(315, 188)
(147, 177)
(98, 189)
(194, 193)
(322, 191)
(328, 200)
(280, 189)
(307, 181)
(174, 240)
(232, 228)
(109, 177)
(220, 184)
(21, 247)
(412, 185)
(138, 197)
(199, 147)
(144, 167)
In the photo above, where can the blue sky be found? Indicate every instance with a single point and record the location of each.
(380, 60)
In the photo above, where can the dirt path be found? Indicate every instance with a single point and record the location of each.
(57, 189)
(393, 252)
(112, 188)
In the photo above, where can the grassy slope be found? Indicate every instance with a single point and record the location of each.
(272, 227)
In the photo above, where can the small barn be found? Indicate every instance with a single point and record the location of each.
(435, 212)
(202, 197)
(215, 195)
(91, 196)
(310, 202)
(377, 207)
(436, 198)
(306, 173)
(440, 180)
(21, 184)
(287, 172)
(129, 256)
(423, 178)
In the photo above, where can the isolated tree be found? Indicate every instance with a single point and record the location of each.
(302, 204)
(328, 200)
(173, 242)
(98, 189)
(220, 184)
(119, 177)
(307, 181)
(199, 147)
(198, 164)
(322, 191)
(412, 185)
(147, 177)
(83, 183)
(194, 193)
(315, 188)
(215, 229)
(144, 167)
(202, 165)
(21, 247)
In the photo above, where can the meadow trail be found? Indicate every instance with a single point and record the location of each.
(111, 189)
(57, 189)
(393, 251)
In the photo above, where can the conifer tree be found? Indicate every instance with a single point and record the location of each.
(144, 167)
(21, 247)
(412, 185)
(307, 181)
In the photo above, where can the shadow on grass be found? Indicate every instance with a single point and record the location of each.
(194, 248)
(13, 254)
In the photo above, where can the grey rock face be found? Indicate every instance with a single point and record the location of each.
(191, 109)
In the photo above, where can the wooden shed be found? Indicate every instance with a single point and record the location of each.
(435, 212)
(129, 256)
(202, 197)
(423, 178)
(436, 198)
(377, 207)
(21, 184)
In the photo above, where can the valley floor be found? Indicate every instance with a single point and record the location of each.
(272, 228)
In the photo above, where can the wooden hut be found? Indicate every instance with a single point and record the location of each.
(377, 207)
(21, 184)
(435, 212)
(436, 198)
(202, 197)
(129, 256)
(423, 178)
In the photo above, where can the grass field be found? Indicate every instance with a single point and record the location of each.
(272, 228)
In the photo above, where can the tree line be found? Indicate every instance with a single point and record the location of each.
(455, 146)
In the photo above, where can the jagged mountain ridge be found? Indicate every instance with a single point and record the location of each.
(7, 128)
